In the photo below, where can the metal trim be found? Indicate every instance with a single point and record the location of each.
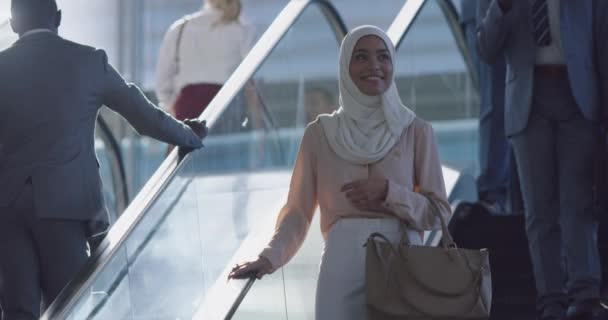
(404, 20)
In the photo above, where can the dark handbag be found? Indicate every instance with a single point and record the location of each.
(414, 282)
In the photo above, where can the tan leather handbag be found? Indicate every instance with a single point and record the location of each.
(421, 282)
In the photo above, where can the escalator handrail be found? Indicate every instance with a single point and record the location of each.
(408, 14)
(237, 302)
(453, 17)
(135, 212)
(117, 165)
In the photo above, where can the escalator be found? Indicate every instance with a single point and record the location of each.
(168, 255)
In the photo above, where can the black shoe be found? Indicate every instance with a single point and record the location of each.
(584, 310)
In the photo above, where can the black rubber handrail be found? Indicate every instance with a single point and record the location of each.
(135, 212)
(119, 175)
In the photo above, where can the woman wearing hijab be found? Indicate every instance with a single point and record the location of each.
(365, 166)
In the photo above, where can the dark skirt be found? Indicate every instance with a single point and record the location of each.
(193, 99)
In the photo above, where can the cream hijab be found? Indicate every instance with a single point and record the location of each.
(365, 128)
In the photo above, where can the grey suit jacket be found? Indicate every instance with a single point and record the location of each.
(51, 91)
(510, 35)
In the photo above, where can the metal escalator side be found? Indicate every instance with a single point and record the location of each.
(168, 254)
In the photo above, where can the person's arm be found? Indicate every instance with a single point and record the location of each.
(127, 100)
(295, 217)
(494, 23)
(411, 205)
(166, 69)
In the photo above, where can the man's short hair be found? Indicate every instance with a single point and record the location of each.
(33, 10)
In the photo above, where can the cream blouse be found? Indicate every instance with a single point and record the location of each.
(209, 52)
(412, 165)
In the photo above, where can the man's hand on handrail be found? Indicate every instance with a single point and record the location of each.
(200, 128)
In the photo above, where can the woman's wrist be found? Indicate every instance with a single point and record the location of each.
(266, 261)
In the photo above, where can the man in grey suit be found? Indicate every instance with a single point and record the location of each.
(51, 91)
(553, 97)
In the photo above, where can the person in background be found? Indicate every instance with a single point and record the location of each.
(553, 96)
(51, 200)
(368, 167)
(497, 183)
(198, 54)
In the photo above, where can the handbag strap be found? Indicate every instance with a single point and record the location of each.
(448, 240)
(180, 34)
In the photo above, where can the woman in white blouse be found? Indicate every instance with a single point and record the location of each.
(365, 166)
(198, 54)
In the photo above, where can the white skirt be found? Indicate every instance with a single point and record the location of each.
(341, 283)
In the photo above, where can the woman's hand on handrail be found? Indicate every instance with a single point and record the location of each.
(257, 268)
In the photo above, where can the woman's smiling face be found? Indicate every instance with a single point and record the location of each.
(371, 66)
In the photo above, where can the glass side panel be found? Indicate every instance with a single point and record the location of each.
(174, 264)
(433, 81)
(144, 24)
(293, 89)
(266, 120)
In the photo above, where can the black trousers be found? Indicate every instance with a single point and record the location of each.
(38, 257)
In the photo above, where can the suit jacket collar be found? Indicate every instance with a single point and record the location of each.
(37, 35)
